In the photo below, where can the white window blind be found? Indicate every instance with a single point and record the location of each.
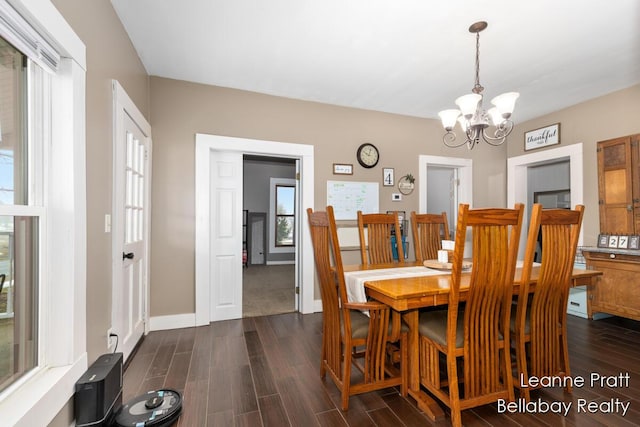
(17, 31)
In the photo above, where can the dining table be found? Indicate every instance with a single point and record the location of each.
(408, 287)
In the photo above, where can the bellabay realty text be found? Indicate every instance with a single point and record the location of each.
(594, 381)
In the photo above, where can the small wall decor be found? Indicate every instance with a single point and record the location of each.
(342, 169)
(406, 184)
(613, 241)
(387, 177)
(634, 242)
(543, 137)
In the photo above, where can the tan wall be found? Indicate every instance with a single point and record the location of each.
(606, 117)
(180, 109)
(110, 55)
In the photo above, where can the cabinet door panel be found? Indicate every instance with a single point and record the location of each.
(615, 182)
(615, 186)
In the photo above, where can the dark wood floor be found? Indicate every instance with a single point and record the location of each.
(264, 371)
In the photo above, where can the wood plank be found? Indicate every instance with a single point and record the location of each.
(262, 377)
(272, 410)
(243, 393)
(331, 418)
(178, 371)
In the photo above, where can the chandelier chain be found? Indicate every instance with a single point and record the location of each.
(477, 88)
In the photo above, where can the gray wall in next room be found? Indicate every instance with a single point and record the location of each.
(258, 170)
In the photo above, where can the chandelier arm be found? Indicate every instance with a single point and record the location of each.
(500, 135)
(449, 138)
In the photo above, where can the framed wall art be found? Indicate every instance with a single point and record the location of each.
(342, 169)
(387, 177)
(542, 137)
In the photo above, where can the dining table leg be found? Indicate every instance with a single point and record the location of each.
(424, 401)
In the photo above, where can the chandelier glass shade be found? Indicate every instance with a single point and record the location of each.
(493, 126)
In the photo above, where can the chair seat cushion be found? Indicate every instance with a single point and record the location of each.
(433, 325)
(360, 325)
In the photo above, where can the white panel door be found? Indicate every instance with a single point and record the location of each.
(226, 235)
(130, 223)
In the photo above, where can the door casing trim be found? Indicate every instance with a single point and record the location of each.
(205, 144)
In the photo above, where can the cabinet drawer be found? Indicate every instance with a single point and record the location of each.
(578, 301)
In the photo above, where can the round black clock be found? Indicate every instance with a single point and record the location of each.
(368, 155)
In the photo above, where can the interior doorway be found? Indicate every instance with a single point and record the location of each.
(519, 176)
(269, 198)
(445, 182)
(213, 268)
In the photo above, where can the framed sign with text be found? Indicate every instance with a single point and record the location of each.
(543, 137)
(342, 169)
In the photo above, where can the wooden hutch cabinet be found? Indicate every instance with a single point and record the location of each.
(619, 185)
(617, 291)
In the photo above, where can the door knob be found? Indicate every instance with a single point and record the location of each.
(127, 256)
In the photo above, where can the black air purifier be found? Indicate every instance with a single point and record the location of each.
(98, 393)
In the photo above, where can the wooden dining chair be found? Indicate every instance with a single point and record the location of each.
(539, 327)
(349, 335)
(473, 335)
(377, 243)
(428, 232)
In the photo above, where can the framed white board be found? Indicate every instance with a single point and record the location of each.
(349, 197)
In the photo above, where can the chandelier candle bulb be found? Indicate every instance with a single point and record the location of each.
(468, 104)
(505, 103)
(449, 118)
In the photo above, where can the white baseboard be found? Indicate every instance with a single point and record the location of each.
(188, 320)
(174, 321)
(280, 262)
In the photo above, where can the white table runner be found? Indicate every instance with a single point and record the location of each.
(355, 279)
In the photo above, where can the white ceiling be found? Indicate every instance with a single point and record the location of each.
(411, 57)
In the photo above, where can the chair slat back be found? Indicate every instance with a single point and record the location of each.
(495, 237)
(379, 229)
(560, 229)
(330, 272)
(428, 232)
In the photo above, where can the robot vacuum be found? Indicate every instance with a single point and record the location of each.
(160, 408)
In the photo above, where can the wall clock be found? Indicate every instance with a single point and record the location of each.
(368, 155)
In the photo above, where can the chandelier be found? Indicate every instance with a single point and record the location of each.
(473, 119)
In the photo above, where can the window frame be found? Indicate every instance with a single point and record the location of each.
(37, 397)
(279, 215)
(273, 182)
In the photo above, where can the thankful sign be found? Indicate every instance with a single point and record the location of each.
(542, 137)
